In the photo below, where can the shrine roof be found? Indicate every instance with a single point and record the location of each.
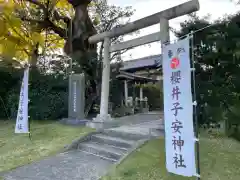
(133, 77)
(152, 62)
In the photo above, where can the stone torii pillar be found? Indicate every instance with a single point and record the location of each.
(105, 83)
(162, 17)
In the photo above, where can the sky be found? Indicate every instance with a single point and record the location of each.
(143, 8)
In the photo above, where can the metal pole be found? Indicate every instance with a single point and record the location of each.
(29, 123)
(69, 34)
(195, 107)
(70, 45)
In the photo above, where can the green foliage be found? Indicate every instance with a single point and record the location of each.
(47, 94)
(116, 94)
(154, 94)
(9, 77)
(216, 53)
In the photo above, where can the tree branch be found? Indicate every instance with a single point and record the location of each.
(40, 5)
(47, 23)
(119, 53)
(58, 30)
(31, 20)
(57, 16)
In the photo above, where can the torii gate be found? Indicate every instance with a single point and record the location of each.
(162, 17)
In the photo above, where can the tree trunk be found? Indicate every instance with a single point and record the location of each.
(82, 29)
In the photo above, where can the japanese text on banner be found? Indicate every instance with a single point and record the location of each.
(22, 115)
(178, 110)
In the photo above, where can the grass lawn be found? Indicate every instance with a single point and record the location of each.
(48, 138)
(220, 160)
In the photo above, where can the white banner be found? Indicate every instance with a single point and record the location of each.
(22, 116)
(178, 109)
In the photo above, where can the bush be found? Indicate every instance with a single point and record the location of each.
(154, 94)
(9, 77)
(155, 97)
(48, 97)
(236, 135)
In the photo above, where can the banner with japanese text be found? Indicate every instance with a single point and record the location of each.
(22, 115)
(178, 109)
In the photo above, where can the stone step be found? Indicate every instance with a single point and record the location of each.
(99, 156)
(103, 150)
(124, 135)
(115, 141)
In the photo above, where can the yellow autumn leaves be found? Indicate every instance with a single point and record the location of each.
(17, 38)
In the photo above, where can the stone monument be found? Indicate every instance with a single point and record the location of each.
(76, 100)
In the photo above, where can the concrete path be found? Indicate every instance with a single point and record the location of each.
(93, 158)
(145, 128)
(74, 165)
(140, 118)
